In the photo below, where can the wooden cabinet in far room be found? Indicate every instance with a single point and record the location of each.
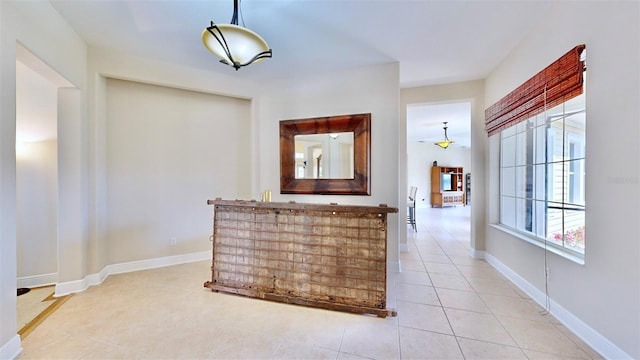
(447, 186)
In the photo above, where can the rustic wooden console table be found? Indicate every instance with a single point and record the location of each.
(327, 256)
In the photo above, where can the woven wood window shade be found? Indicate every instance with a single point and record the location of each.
(557, 83)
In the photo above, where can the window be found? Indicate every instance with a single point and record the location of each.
(542, 176)
(542, 155)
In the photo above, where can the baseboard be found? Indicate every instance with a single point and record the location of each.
(157, 262)
(589, 335)
(37, 280)
(393, 266)
(11, 349)
(69, 287)
(477, 254)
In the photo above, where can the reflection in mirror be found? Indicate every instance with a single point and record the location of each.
(324, 156)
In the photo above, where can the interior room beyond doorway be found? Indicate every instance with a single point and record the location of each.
(425, 127)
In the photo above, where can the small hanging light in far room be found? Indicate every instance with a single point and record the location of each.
(446, 142)
(235, 45)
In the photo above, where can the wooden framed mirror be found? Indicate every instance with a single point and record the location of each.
(326, 155)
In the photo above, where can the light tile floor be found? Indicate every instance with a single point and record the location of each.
(31, 304)
(450, 306)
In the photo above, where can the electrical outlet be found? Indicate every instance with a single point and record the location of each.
(172, 241)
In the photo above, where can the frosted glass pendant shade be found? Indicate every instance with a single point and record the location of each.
(235, 45)
(444, 143)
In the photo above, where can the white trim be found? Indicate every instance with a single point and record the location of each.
(157, 262)
(69, 287)
(403, 247)
(539, 243)
(37, 280)
(477, 254)
(589, 335)
(11, 349)
(393, 266)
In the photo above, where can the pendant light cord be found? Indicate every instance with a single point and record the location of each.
(240, 12)
(237, 10)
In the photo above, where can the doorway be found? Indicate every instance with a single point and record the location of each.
(425, 127)
(36, 173)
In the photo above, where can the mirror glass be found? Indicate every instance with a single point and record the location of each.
(324, 156)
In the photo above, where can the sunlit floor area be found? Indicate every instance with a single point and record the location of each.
(450, 306)
(34, 306)
(33, 303)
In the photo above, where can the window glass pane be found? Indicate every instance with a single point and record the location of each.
(508, 211)
(550, 142)
(555, 143)
(529, 179)
(530, 147)
(539, 191)
(524, 214)
(521, 127)
(530, 123)
(540, 219)
(541, 119)
(555, 182)
(521, 148)
(575, 104)
(520, 181)
(510, 131)
(554, 223)
(508, 181)
(574, 229)
(524, 181)
(576, 182)
(540, 147)
(508, 151)
(555, 113)
(575, 142)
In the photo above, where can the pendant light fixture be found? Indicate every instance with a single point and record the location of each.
(235, 45)
(446, 142)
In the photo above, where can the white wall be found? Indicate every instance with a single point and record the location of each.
(103, 65)
(420, 158)
(168, 151)
(37, 212)
(604, 293)
(372, 89)
(36, 177)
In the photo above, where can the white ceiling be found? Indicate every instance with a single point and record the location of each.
(434, 41)
(425, 123)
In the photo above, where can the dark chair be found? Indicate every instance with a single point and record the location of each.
(411, 207)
